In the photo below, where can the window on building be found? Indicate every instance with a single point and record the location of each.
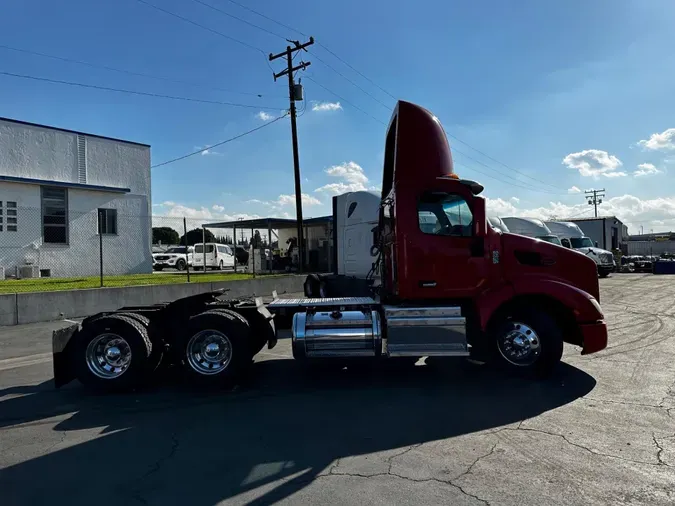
(444, 214)
(107, 221)
(54, 215)
(12, 214)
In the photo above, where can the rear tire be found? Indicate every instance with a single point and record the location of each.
(315, 287)
(113, 353)
(528, 341)
(215, 349)
(180, 265)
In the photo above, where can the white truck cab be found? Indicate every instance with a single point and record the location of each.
(498, 224)
(531, 227)
(571, 236)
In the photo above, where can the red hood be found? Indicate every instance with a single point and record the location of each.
(523, 256)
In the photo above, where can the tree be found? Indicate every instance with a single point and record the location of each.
(164, 235)
(194, 236)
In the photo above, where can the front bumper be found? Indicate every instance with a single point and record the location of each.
(605, 268)
(594, 337)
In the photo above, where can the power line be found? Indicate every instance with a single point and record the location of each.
(267, 18)
(502, 163)
(350, 81)
(326, 48)
(454, 150)
(220, 143)
(133, 92)
(239, 19)
(345, 100)
(369, 94)
(187, 20)
(124, 71)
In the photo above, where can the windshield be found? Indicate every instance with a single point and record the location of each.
(553, 239)
(176, 250)
(199, 248)
(581, 242)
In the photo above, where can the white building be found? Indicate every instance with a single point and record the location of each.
(54, 183)
(608, 232)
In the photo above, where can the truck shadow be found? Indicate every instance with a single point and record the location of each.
(262, 442)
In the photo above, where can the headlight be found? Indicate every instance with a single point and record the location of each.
(596, 305)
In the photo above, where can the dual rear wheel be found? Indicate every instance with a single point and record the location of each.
(119, 351)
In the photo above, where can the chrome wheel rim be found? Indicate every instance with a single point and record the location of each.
(520, 346)
(209, 352)
(108, 356)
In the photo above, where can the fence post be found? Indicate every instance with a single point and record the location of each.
(204, 246)
(100, 243)
(187, 254)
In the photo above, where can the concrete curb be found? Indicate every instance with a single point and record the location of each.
(21, 308)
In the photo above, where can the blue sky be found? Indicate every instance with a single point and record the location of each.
(560, 91)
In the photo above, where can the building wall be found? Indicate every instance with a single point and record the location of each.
(600, 231)
(42, 153)
(124, 253)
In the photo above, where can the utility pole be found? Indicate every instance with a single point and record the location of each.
(594, 198)
(295, 93)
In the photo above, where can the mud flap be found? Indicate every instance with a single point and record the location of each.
(63, 370)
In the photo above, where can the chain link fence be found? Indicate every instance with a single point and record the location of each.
(56, 248)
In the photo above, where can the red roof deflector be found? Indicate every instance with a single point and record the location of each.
(416, 149)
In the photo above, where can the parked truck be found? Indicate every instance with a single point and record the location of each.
(531, 227)
(571, 236)
(461, 289)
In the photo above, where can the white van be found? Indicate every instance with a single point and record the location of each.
(574, 238)
(531, 227)
(218, 256)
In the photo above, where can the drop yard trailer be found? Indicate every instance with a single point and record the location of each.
(450, 286)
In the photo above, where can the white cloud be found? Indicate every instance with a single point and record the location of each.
(574, 189)
(660, 141)
(264, 116)
(646, 169)
(657, 213)
(326, 106)
(353, 179)
(307, 200)
(515, 200)
(218, 208)
(594, 163)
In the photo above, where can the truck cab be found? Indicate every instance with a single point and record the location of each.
(572, 237)
(450, 285)
(531, 227)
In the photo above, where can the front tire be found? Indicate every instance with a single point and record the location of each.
(528, 341)
(216, 347)
(220, 265)
(113, 353)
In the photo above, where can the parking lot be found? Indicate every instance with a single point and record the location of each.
(601, 431)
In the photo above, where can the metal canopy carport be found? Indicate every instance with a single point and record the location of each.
(266, 223)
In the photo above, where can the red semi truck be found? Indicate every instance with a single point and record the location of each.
(452, 287)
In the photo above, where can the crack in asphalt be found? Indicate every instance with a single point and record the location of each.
(156, 467)
(659, 453)
(626, 403)
(406, 478)
(589, 450)
(389, 472)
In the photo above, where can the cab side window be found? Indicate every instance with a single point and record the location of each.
(444, 214)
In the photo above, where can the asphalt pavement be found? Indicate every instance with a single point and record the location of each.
(601, 431)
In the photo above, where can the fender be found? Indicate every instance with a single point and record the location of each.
(584, 306)
(580, 302)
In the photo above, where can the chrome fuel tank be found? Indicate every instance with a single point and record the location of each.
(336, 334)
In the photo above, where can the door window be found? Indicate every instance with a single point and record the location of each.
(444, 214)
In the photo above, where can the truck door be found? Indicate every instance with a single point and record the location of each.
(449, 256)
